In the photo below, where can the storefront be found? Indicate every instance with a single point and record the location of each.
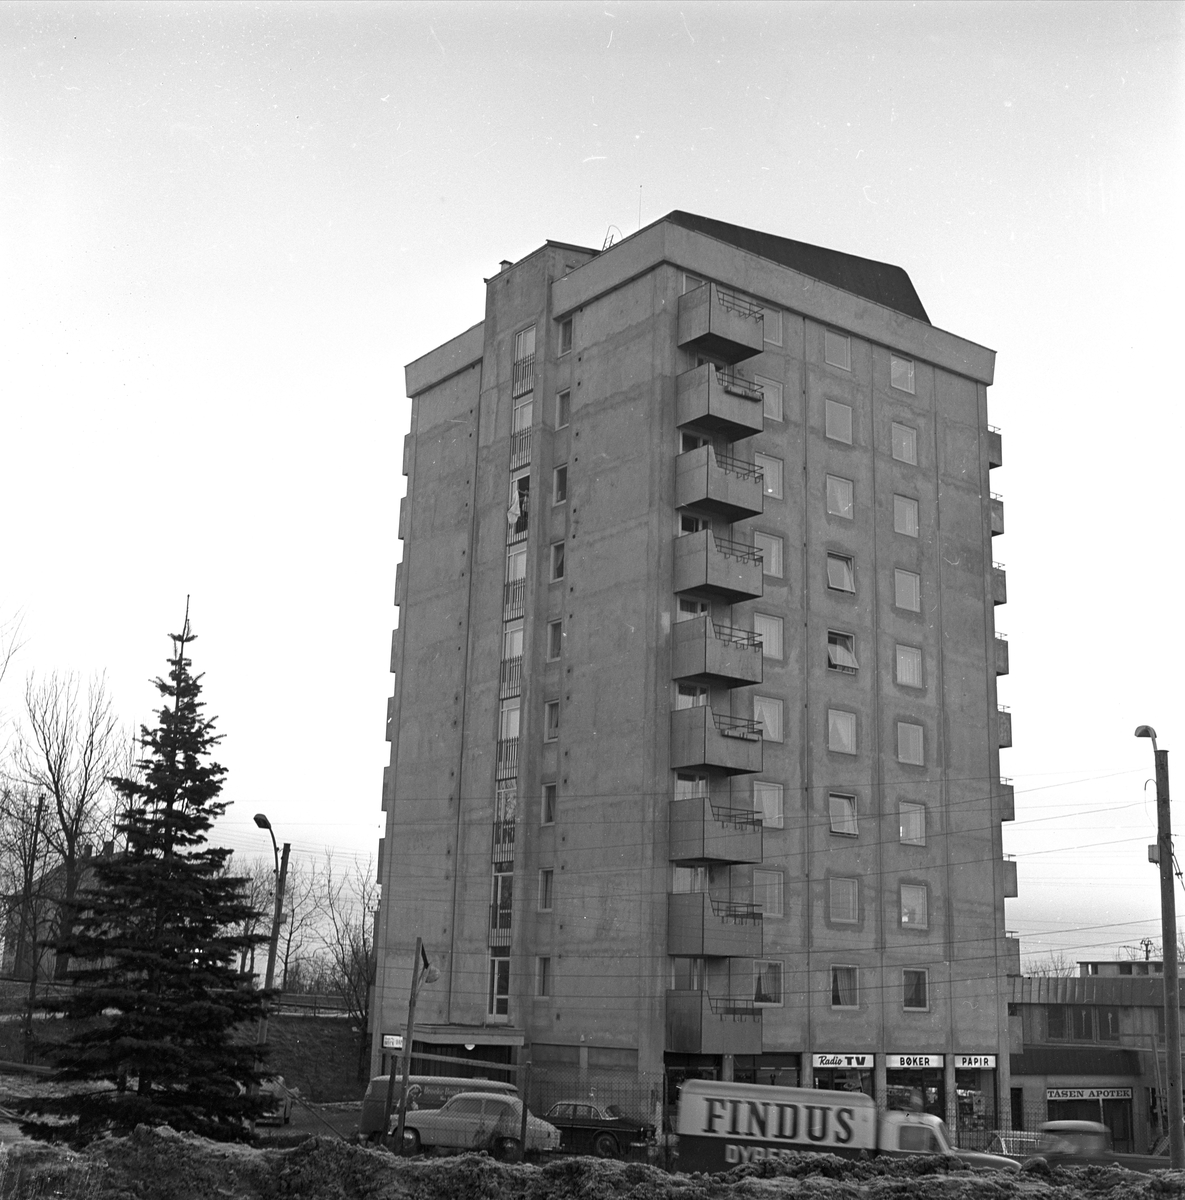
(844, 1072)
(975, 1090)
(1111, 1105)
(916, 1081)
(774, 1070)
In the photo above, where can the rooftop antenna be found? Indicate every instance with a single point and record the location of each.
(609, 237)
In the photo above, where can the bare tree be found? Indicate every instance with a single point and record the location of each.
(302, 918)
(259, 891)
(68, 747)
(1055, 963)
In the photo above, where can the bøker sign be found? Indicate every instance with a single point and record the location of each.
(903, 1062)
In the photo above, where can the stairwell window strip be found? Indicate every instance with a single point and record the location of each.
(523, 370)
(543, 977)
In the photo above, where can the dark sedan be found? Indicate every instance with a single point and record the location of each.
(594, 1129)
(1088, 1144)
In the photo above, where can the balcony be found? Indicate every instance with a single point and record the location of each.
(1001, 654)
(719, 483)
(503, 849)
(1006, 793)
(705, 740)
(1009, 870)
(715, 566)
(520, 449)
(717, 321)
(513, 596)
(1003, 728)
(999, 584)
(709, 400)
(701, 649)
(995, 447)
(701, 831)
(700, 927)
(511, 677)
(507, 763)
(697, 1023)
(522, 376)
(499, 925)
(996, 504)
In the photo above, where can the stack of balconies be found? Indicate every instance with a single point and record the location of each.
(718, 406)
(1006, 796)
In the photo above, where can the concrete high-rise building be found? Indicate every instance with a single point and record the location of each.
(694, 735)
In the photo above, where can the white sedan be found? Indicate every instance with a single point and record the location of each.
(478, 1121)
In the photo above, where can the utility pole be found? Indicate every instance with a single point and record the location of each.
(421, 972)
(31, 908)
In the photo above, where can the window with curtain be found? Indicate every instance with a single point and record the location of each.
(914, 906)
(844, 987)
(768, 801)
(768, 712)
(841, 495)
(767, 983)
(841, 731)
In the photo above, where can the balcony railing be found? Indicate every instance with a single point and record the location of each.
(513, 595)
(507, 758)
(522, 376)
(700, 831)
(512, 676)
(700, 648)
(520, 449)
(700, 926)
(736, 384)
(720, 322)
(719, 483)
(499, 925)
(705, 563)
(703, 739)
(503, 841)
(739, 467)
(738, 727)
(697, 1023)
(719, 402)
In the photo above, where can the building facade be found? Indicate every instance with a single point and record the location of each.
(694, 735)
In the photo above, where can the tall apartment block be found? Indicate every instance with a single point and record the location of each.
(694, 734)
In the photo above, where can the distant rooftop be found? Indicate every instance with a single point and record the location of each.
(879, 282)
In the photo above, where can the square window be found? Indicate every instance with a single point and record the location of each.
(551, 720)
(905, 515)
(841, 574)
(771, 553)
(772, 394)
(690, 523)
(690, 695)
(841, 731)
(913, 823)
(498, 1004)
(566, 336)
(843, 900)
(905, 444)
(841, 496)
(909, 743)
(767, 800)
(767, 892)
(907, 590)
(555, 640)
(767, 983)
(837, 349)
(837, 421)
(559, 485)
(557, 562)
(546, 882)
(843, 813)
(901, 373)
(771, 470)
(542, 977)
(772, 318)
(547, 808)
(914, 907)
(909, 666)
(769, 629)
(841, 652)
(768, 712)
(916, 985)
(844, 987)
(685, 880)
(690, 787)
(689, 609)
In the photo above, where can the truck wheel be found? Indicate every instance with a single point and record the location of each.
(510, 1150)
(605, 1145)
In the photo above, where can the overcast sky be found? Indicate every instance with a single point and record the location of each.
(225, 228)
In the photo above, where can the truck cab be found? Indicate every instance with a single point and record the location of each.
(902, 1133)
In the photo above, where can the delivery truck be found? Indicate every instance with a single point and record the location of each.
(723, 1125)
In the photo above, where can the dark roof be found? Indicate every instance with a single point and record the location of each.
(1144, 991)
(879, 282)
(1075, 1060)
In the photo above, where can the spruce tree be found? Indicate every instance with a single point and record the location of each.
(166, 1015)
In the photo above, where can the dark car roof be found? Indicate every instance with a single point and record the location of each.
(1074, 1127)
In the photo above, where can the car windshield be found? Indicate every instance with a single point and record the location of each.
(613, 1111)
(1070, 1142)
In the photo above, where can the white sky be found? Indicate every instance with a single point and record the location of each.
(224, 228)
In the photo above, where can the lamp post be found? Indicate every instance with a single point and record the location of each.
(1168, 934)
(277, 916)
(421, 972)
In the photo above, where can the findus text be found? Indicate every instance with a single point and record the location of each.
(728, 1117)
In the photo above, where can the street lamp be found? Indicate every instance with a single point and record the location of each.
(421, 972)
(277, 916)
(1168, 937)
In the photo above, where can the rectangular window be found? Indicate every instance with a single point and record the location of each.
(768, 712)
(551, 720)
(499, 991)
(546, 881)
(914, 907)
(844, 987)
(769, 629)
(512, 642)
(771, 470)
(841, 497)
(909, 666)
(687, 974)
(691, 282)
(555, 639)
(542, 977)
(1056, 1024)
(768, 800)
(518, 510)
(522, 374)
(841, 731)
(843, 813)
(905, 444)
(916, 985)
(907, 590)
(837, 349)
(913, 823)
(689, 609)
(843, 896)
(524, 344)
(686, 880)
(690, 695)
(690, 523)
(773, 326)
(901, 373)
(772, 392)
(1083, 1018)
(767, 983)
(771, 553)
(690, 787)
(557, 562)
(905, 515)
(566, 336)
(508, 716)
(1108, 1024)
(563, 404)
(841, 652)
(559, 485)
(841, 574)
(910, 743)
(837, 421)
(767, 892)
(547, 808)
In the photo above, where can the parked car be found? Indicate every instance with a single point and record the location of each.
(277, 1101)
(428, 1091)
(595, 1129)
(478, 1121)
(1088, 1143)
(1016, 1143)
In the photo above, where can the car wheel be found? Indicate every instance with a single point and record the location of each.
(605, 1145)
(510, 1150)
(411, 1142)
